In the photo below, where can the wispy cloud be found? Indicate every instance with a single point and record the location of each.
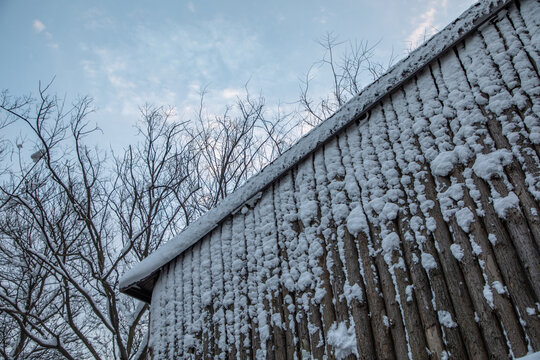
(425, 24)
(191, 6)
(38, 26)
(231, 93)
(323, 16)
(177, 62)
(95, 19)
(174, 59)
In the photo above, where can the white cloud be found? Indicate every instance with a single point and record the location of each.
(170, 65)
(425, 23)
(191, 6)
(231, 93)
(95, 19)
(38, 26)
(423, 29)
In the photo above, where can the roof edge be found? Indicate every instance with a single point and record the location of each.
(444, 40)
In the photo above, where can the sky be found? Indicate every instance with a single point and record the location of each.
(124, 54)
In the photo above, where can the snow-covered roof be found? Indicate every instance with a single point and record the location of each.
(139, 280)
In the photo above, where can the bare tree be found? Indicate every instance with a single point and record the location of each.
(72, 219)
(235, 145)
(70, 227)
(348, 74)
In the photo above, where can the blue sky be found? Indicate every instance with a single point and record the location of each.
(124, 54)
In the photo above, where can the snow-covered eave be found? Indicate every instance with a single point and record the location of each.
(138, 281)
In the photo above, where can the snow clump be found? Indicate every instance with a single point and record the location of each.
(488, 165)
(428, 261)
(465, 218)
(343, 340)
(357, 222)
(457, 251)
(503, 204)
(445, 318)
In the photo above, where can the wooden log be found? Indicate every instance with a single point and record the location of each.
(432, 281)
(289, 303)
(348, 254)
(206, 299)
(453, 276)
(303, 183)
(328, 230)
(252, 280)
(306, 188)
(381, 332)
(395, 319)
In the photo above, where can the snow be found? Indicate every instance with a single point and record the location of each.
(357, 222)
(492, 164)
(342, 339)
(499, 287)
(347, 114)
(476, 249)
(444, 163)
(390, 211)
(457, 251)
(372, 181)
(488, 295)
(492, 239)
(390, 243)
(428, 262)
(465, 218)
(533, 356)
(445, 318)
(503, 204)
(409, 291)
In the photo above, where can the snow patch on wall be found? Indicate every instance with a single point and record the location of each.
(342, 339)
(492, 164)
(503, 204)
(357, 221)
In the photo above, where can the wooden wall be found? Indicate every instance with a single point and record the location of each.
(413, 234)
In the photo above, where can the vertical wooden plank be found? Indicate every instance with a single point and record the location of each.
(239, 279)
(358, 223)
(253, 295)
(310, 215)
(353, 290)
(218, 316)
(273, 263)
(329, 231)
(189, 340)
(502, 255)
(196, 296)
(286, 238)
(206, 299)
(157, 312)
(228, 289)
(263, 304)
